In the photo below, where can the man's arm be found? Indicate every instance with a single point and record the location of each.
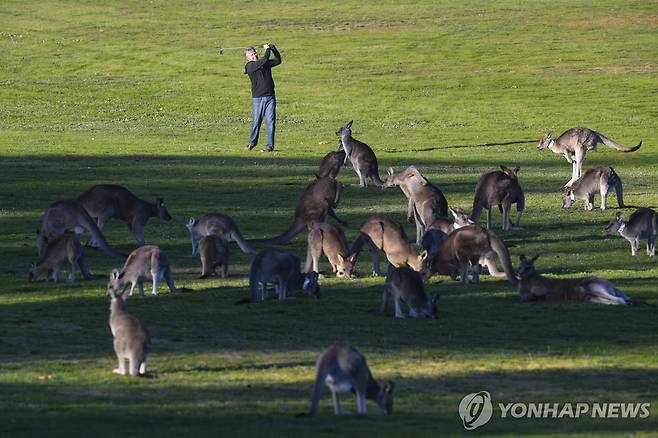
(255, 65)
(277, 56)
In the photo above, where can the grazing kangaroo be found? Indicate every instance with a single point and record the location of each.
(599, 179)
(330, 240)
(574, 144)
(217, 224)
(147, 262)
(213, 251)
(344, 369)
(642, 224)
(282, 269)
(331, 163)
(131, 338)
(406, 285)
(69, 216)
(426, 201)
(361, 156)
(382, 233)
(62, 248)
(533, 287)
(106, 201)
(500, 188)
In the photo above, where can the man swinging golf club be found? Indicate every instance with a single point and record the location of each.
(262, 93)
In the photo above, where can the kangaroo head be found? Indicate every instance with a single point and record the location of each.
(431, 309)
(616, 223)
(311, 286)
(162, 210)
(385, 397)
(191, 223)
(420, 264)
(115, 283)
(392, 179)
(33, 274)
(345, 130)
(568, 199)
(345, 265)
(527, 266)
(461, 218)
(545, 141)
(512, 173)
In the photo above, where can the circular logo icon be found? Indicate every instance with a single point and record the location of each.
(476, 410)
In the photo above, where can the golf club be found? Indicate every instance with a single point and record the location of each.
(223, 49)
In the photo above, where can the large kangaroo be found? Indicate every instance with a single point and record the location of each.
(213, 252)
(62, 248)
(574, 144)
(642, 224)
(361, 156)
(105, 201)
(69, 216)
(331, 163)
(533, 287)
(131, 338)
(329, 240)
(500, 188)
(406, 285)
(426, 201)
(284, 271)
(217, 224)
(599, 179)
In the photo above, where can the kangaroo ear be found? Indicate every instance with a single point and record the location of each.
(516, 169)
(389, 387)
(423, 255)
(349, 125)
(33, 265)
(504, 169)
(532, 260)
(454, 213)
(114, 275)
(340, 258)
(391, 171)
(618, 216)
(191, 221)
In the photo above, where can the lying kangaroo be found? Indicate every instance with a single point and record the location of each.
(344, 369)
(533, 287)
(361, 156)
(213, 251)
(282, 269)
(500, 188)
(217, 224)
(574, 144)
(426, 201)
(69, 216)
(330, 240)
(331, 163)
(147, 262)
(62, 248)
(382, 233)
(131, 338)
(599, 179)
(642, 224)
(106, 201)
(405, 284)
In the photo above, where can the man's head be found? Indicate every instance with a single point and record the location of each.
(251, 54)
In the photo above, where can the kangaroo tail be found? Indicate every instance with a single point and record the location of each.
(490, 263)
(617, 146)
(500, 249)
(236, 236)
(476, 211)
(619, 188)
(318, 387)
(91, 226)
(358, 243)
(376, 180)
(296, 228)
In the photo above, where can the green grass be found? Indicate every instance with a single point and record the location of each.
(135, 93)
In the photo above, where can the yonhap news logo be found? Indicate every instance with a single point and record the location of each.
(476, 410)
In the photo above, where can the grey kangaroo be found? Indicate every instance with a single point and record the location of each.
(329, 240)
(131, 339)
(284, 271)
(406, 285)
(501, 188)
(361, 156)
(217, 224)
(106, 201)
(574, 143)
(599, 179)
(62, 248)
(331, 163)
(343, 369)
(642, 224)
(213, 252)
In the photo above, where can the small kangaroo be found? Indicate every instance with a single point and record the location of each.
(282, 269)
(574, 144)
(213, 251)
(461, 219)
(405, 284)
(533, 287)
(63, 248)
(331, 163)
(599, 179)
(500, 188)
(106, 201)
(361, 156)
(329, 240)
(131, 338)
(344, 369)
(217, 224)
(642, 224)
(146, 263)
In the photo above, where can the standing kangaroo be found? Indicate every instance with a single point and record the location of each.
(62, 248)
(574, 144)
(217, 224)
(642, 224)
(344, 369)
(361, 156)
(500, 188)
(406, 285)
(426, 201)
(533, 287)
(599, 179)
(131, 338)
(282, 269)
(213, 252)
(331, 163)
(106, 201)
(329, 240)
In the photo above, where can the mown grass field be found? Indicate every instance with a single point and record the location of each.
(135, 93)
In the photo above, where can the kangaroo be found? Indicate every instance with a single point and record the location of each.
(217, 224)
(131, 338)
(426, 201)
(213, 251)
(331, 163)
(343, 369)
(330, 240)
(405, 284)
(597, 179)
(361, 156)
(382, 233)
(147, 262)
(533, 287)
(106, 201)
(464, 249)
(282, 269)
(69, 216)
(62, 248)
(447, 226)
(500, 188)
(642, 224)
(574, 144)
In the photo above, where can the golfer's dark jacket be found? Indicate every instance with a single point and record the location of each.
(260, 73)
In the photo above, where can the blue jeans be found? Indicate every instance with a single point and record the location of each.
(263, 107)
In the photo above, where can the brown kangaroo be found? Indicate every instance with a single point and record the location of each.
(361, 156)
(331, 163)
(217, 224)
(599, 179)
(62, 248)
(642, 224)
(500, 188)
(213, 251)
(406, 285)
(330, 240)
